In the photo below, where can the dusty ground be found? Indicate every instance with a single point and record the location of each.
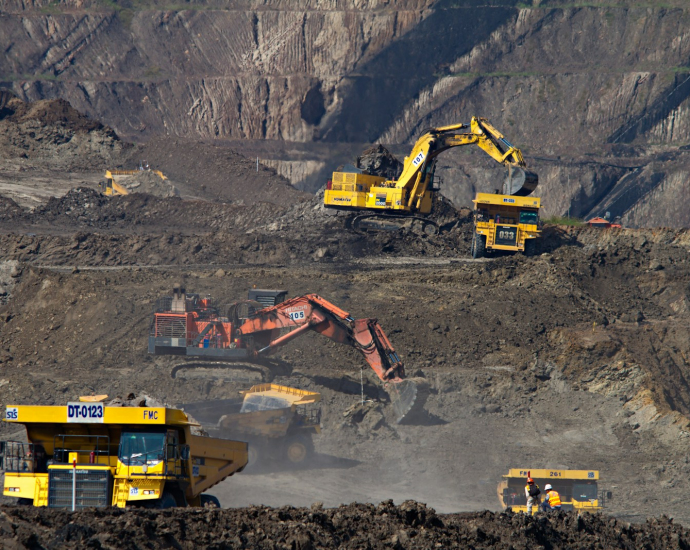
(576, 358)
(520, 375)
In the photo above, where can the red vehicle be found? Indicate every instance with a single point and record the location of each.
(187, 324)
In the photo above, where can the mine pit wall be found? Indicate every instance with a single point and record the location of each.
(326, 71)
(241, 73)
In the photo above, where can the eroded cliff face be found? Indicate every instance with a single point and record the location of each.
(590, 94)
(254, 71)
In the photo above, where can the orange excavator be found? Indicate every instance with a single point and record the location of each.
(187, 324)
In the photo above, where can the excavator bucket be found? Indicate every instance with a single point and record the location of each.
(520, 182)
(407, 398)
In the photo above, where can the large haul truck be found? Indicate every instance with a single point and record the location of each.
(85, 455)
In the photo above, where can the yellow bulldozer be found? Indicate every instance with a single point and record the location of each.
(116, 180)
(85, 455)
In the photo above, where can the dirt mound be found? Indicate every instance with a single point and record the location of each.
(213, 172)
(50, 133)
(410, 525)
(379, 161)
(51, 112)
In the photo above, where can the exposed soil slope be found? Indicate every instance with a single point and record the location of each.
(49, 140)
(605, 136)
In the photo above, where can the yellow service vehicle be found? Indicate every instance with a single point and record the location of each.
(85, 455)
(115, 179)
(578, 489)
(505, 222)
(413, 191)
(277, 421)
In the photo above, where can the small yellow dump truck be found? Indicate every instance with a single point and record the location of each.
(505, 222)
(578, 489)
(86, 454)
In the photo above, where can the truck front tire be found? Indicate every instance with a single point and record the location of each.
(478, 246)
(166, 501)
(530, 247)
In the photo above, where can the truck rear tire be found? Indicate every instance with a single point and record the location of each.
(256, 453)
(209, 501)
(298, 448)
(478, 246)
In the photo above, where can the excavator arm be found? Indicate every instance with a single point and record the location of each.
(434, 141)
(311, 312)
(265, 331)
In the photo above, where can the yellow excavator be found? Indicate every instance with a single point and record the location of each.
(412, 193)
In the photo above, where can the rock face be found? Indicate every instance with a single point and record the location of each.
(595, 96)
(244, 72)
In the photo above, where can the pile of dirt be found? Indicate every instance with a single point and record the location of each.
(210, 232)
(50, 136)
(50, 112)
(213, 172)
(410, 525)
(53, 134)
(379, 161)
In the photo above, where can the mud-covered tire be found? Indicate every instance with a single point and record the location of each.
(530, 247)
(430, 229)
(298, 448)
(166, 501)
(209, 501)
(478, 246)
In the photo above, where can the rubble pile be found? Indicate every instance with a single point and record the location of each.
(354, 526)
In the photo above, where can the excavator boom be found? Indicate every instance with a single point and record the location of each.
(187, 324)
(311, 312)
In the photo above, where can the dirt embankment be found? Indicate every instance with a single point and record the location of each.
(49, 140)
(410, 525)
(52, 134)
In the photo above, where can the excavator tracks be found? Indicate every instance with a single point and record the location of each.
(250, 373)
(365, 223)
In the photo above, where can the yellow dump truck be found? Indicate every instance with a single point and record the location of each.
(578, 489)
(277, 421)
(505, 222)
(86, 454)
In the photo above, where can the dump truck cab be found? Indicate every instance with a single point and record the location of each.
(505, 222)
(85, 454)
(578, 489)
